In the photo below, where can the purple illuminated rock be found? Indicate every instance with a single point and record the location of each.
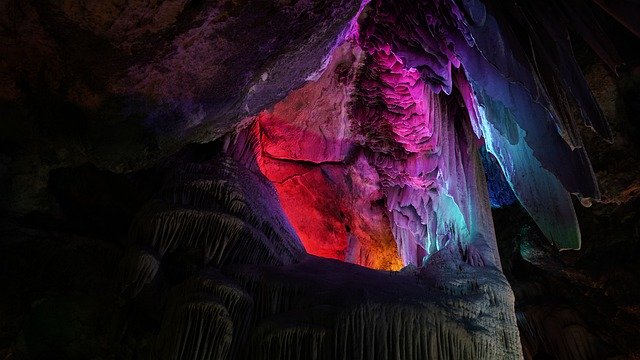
(521, 96)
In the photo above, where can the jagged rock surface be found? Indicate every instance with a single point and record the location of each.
(121, 84)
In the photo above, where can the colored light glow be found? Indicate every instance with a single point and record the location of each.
(325, 184)
(333, 208)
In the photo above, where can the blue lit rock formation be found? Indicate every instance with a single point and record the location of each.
(520, 95)
(500, 193)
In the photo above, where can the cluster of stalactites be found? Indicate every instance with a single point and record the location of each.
(519, 82)
(425, 153)
(208, 316)
(294, 322)
(223, 214)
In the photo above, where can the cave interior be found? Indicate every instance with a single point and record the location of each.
(319, 179)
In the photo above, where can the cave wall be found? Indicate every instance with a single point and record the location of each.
(99, 94)
(122, 84)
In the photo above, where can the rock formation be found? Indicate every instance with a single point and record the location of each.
(319, 179)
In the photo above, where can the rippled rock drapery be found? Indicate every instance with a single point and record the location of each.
(430, 171)
(220, 212)
(342, 311)
(228, 293)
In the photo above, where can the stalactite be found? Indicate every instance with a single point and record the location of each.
(220, 196)
(138, 268)
(274, 298)
(226, 214)
(520, 84)
(408, 332)
(227, 186)
(426, 155)
(199, 327)
(462, 312)
(212, 287)
(221, 238)
(288, 338)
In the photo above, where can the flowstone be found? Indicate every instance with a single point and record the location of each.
(256, 294)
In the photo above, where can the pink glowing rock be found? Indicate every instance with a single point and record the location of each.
(328, 189)
(521, 87)
(425, 152)
(415, 184)
(336, 210)
(311, 124)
